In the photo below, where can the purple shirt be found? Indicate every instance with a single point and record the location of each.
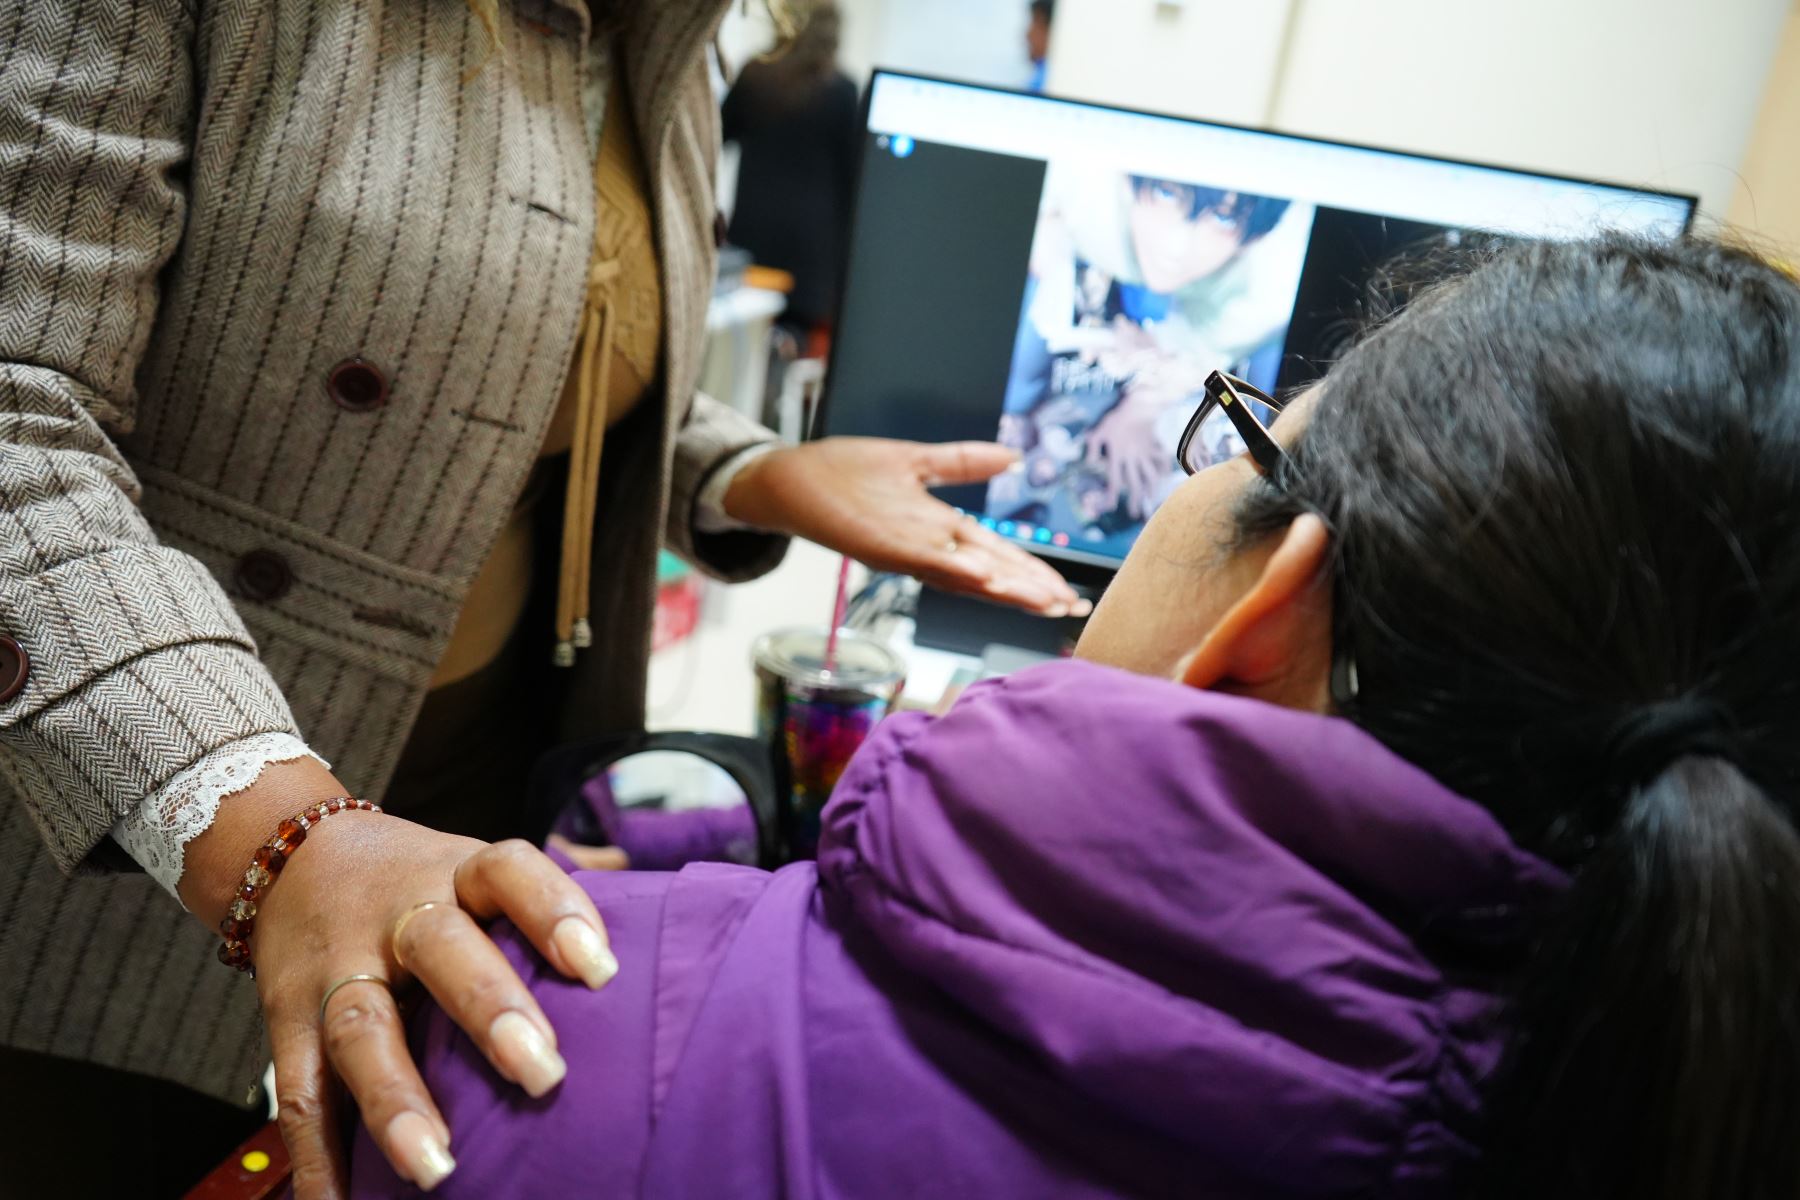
(1090, 934)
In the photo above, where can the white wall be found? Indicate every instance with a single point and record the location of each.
(982, 41)
(1212, 60)
(1663, 92)
(745, 33)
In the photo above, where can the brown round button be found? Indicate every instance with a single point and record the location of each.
(15, 668)
(264, 575)
(357, 385)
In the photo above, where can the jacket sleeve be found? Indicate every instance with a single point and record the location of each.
(138, 664)
(712, 436)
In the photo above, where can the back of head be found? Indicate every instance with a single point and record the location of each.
(1565, 494)
(806, 51)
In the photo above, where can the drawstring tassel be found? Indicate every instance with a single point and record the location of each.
(603, 273)
(581, 496)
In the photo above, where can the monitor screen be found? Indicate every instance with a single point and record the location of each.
(1062, 276)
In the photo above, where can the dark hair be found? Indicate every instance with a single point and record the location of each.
(1252, 215)
(1565, 498)
(1043, 10)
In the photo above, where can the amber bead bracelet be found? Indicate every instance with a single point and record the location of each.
(265, 865)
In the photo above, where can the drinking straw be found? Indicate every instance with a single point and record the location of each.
(837, 613)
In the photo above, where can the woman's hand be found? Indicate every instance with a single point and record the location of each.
(371, 894)
(867, 498)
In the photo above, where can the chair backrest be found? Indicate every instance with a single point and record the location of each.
(557, 779)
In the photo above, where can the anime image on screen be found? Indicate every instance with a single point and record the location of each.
(1138, 287)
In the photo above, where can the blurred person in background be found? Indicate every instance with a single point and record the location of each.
(795, 117)
(1037, 41)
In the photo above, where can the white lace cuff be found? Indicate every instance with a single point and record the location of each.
(156, 832)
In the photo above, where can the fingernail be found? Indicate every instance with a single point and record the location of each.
(583, 948)
(420, 1151)
(526, 1054)
(1082, 608)
(1058, 609)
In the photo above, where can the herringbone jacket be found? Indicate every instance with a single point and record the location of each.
(206, 205)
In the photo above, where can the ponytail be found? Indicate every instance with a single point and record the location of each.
(1657, 1046)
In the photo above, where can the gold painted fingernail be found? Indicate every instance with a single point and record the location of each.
(419, 1152)
(585, 950)
(525, 1054)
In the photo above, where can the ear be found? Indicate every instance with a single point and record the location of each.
(1275, 643)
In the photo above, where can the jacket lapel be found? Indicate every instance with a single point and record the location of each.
(662, 50)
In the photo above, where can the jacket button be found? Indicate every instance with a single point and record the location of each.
(15, 668)
(264, 575)
(357, 385)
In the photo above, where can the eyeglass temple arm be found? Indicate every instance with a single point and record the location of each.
(1257, 440)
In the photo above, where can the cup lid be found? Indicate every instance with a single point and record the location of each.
(799, 655)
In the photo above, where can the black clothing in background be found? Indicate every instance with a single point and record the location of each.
(799, 138)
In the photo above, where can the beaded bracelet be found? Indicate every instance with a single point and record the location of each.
(265, 865)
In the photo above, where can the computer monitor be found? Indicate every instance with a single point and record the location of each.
(1062, 276)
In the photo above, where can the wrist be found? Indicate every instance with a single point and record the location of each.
(214, 862)
(747, 498)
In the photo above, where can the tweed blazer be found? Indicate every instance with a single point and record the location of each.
(205, 207)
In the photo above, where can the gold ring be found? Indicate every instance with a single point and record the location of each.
(953, 545)
(409, 914)
(349, 979)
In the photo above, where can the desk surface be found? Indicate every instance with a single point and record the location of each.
(705, 682)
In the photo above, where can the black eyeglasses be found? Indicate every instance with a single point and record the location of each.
(1229, 392)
